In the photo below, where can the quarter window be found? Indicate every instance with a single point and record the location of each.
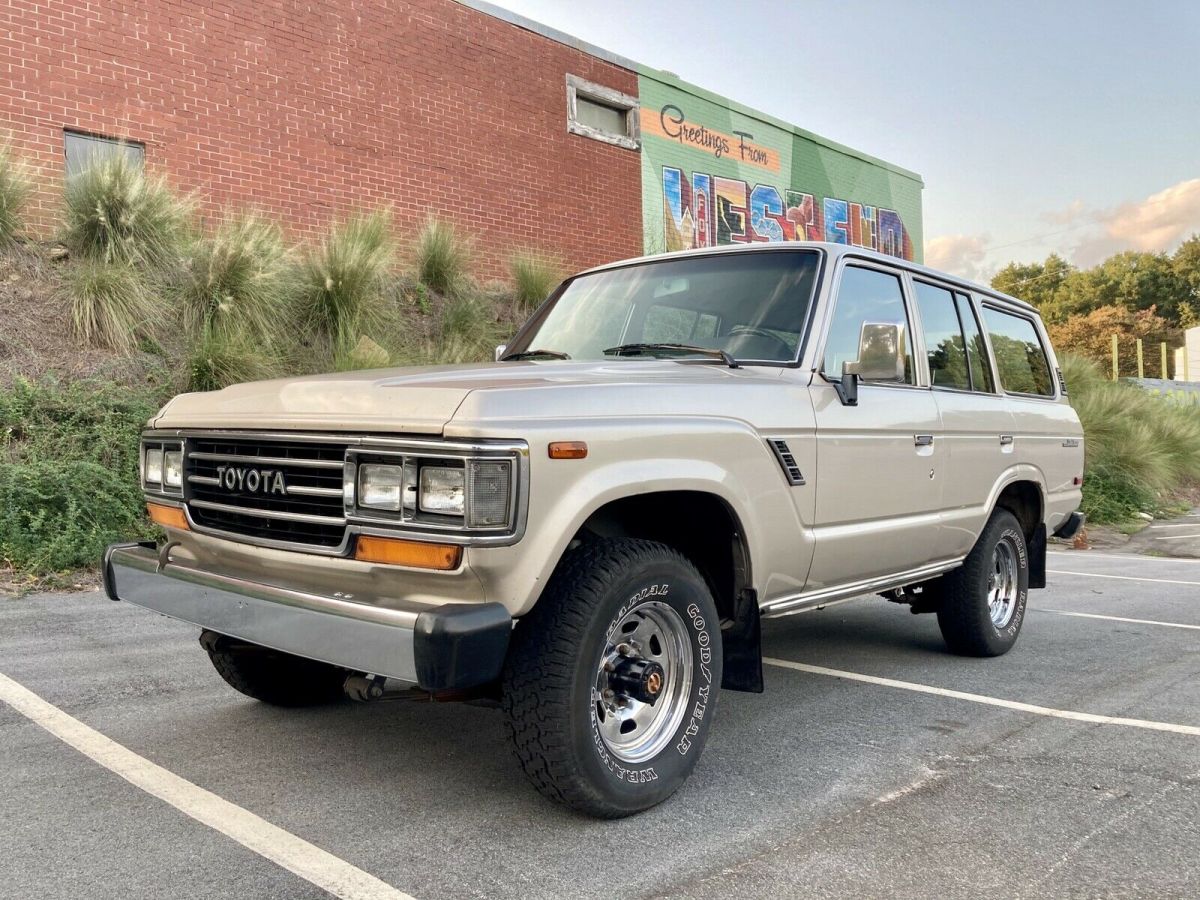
(1020, 358)
(865, 295)
(944, 341)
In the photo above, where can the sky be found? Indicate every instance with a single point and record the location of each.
(1038, 127)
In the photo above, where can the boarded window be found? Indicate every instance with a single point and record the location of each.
(82, 149)
(602, 113)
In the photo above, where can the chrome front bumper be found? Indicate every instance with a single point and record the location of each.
(458, 645)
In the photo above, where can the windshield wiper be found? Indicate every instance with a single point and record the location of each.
(710, 352)
(534, 354)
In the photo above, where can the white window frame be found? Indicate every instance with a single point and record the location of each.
(577, 87)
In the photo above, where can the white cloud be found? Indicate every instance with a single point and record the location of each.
(959, 254)
(1158, 223)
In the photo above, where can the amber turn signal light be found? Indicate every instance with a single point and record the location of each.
(396, 552)
(567, 450)
(167, 516)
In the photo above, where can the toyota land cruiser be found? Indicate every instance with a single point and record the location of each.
(590, 529)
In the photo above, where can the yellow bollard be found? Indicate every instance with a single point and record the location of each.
(1141, 370)
(1163, 347)
(1114, 353)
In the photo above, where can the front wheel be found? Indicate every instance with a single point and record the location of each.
(611, 681)
(983, 602)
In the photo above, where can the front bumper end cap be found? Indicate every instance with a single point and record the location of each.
(456, 646)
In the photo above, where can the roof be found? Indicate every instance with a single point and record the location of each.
(834, 251)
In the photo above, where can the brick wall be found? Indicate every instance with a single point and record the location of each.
(307, 109)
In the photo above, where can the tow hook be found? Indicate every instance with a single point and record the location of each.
(639, 679)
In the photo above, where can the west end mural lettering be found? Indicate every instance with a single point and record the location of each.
(707, 210)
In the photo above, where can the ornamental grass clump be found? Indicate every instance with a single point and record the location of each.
(220, 358)
(342, 282)
(115, 213)
(111, 305)
(238, 280)
(534, 276)
(15, 187)
(442, 257)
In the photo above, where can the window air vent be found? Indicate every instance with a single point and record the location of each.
(787, 461)
(1062, 382)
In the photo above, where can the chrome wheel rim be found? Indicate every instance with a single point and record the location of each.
(1003, 584)
(653, 635)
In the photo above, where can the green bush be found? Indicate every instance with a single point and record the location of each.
(69, 482)
(1139, 446)
(442, 257)
(534, 276)
(116, 213)
(111, 303)
(238, 279)
(220, 358)
(342, 282)
(14, 192)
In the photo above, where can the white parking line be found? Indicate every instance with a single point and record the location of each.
(1179, 525)
(1063, 612)
(989, 701)
(1178, 537)
(1099, 555)
(1122, 577)
(326, 871)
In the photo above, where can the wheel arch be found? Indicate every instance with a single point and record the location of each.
(705, 528)
(1023, 493)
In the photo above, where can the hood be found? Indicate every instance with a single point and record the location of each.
(418, 400)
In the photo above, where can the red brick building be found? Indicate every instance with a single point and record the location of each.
(523, 136)
(307, 110)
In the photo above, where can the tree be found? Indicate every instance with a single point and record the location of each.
(1036, 283)
(1090, 335)
(1186, 263)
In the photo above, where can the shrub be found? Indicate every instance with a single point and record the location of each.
(341, 290)
(14, 192)
(115, 213)
(70, 485)
(1138, 445)
(111, 303)
(469, 332)
(220, 358)
(442, 256)
(534, 276)
(1090, 336)
(237, 279)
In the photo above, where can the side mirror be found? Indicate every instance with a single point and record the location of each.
(881, 350)
(500, 348)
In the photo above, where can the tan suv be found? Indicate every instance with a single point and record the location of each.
(590, 529)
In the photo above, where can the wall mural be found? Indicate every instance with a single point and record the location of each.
(714, 173)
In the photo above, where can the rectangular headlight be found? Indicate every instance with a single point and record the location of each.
(380, 487)
(441, 490)
(491, 484)
(173, 468)
(154, 465)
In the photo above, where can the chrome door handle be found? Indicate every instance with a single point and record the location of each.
(923, 440)
(1005, 440)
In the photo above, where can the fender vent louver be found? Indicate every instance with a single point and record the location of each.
(787, 461)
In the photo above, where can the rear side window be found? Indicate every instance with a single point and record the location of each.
(1020, 358)
(944, 341)
(865, 295)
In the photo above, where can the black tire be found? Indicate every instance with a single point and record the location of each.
(279, 679)
(964, 615)
(550, 681)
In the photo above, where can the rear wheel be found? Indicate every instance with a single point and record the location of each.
(611, 680)
(271, 676)
(983, 603)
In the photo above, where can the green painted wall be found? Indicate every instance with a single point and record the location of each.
(715, 172)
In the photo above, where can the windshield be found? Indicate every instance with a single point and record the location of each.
(752, 306)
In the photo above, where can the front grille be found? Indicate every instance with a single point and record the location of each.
(277, 490)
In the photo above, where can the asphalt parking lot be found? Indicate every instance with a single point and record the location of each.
(883, 766)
